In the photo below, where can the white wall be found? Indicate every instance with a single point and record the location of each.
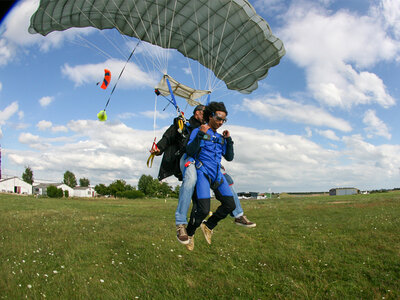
(12, 185)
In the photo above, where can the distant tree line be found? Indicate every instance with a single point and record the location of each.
(147, 186)
(69, 178)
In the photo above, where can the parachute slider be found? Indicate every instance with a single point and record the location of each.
(179, 89)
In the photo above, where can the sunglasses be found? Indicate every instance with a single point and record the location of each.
(218, 118)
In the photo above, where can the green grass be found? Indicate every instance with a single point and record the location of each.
(343, 247)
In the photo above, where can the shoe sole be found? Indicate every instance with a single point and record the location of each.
(183, 242)
(202, 226)
(248, 226)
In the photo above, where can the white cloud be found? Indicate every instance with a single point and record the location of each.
(336, 50)
(45, 101)
(329, 134)
(133, 76)
(126, 115)
(59, 128)
(390, 9)
(375, 126)
(159, 114)
(104, 152)
(8, 112)
(1, 86)
(1, 133)
(279, 108)
(43, 125)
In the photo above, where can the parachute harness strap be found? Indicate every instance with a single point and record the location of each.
(151, 157)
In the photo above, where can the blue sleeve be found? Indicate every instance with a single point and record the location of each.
(228, 149)
(193, 146)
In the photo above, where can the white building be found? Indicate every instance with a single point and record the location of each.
(84, 191)
(15, 185)
(41, 188)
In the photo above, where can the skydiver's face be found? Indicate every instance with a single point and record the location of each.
(217, 120)
(199, 116)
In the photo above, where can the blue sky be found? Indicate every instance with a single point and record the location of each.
(326, 116)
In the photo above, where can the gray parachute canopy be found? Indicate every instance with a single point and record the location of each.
(226, 36)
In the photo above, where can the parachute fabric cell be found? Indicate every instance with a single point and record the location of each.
(226, 36)
(180, 90)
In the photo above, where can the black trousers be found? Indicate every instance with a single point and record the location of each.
(201, 209)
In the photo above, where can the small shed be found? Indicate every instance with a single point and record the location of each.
(84, 191)
(343, 191)
(15, 185)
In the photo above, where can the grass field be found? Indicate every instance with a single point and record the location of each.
(343, 247)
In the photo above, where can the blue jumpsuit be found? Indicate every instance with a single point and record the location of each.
(207, 150)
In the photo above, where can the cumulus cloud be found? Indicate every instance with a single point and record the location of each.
(104, 152)
(133, 76)
(329, 134)
(8, 112)
(279, 108)
(375, 126)
(45, 101)
(159, 115)
(390, 10)
(43, 125)
(336, 50)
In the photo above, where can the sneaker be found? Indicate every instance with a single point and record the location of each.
(243, 221)
(190, 245)
(181, 234)
(207, 232)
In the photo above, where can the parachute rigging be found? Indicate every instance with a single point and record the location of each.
(226, 36)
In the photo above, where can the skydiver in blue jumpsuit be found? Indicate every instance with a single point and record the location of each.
(207, 147)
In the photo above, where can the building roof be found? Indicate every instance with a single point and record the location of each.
(83, 188)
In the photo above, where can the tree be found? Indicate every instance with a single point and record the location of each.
(102, 189)
(117, 186)
(147, 185)
(70, 179)
(27, 176)
(164, 190)
(54, 192)
(84, 182)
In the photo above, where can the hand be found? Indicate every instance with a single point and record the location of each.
(156, 152)
(204, 128)
(226, 134)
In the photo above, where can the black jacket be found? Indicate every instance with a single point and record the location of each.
(173, 145)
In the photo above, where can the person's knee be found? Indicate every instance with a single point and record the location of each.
(230, 204)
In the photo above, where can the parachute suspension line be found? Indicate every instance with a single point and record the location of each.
(101, 31)
(230, 51)
(223, 32)
(155, 116)
(210, 47)
(152, 37)
(130, 22)
(186, 56)
(79, 36)
(115, 85)
(150, 160)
